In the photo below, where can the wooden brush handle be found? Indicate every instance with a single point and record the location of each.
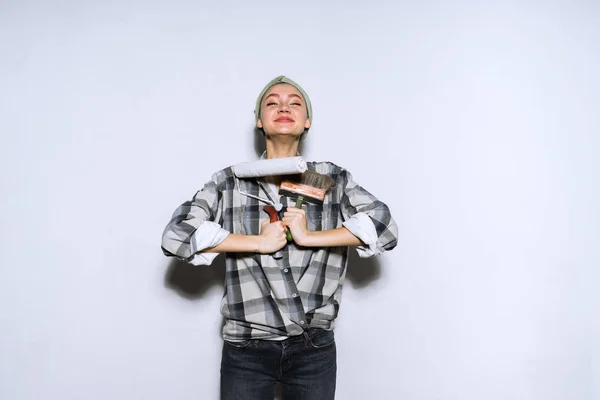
(299, 202)
(274, 217)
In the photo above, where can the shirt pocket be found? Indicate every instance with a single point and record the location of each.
(251, 219)
(314, 217)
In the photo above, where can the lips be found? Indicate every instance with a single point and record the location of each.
(284, 119)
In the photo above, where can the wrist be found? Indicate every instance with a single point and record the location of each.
(307, 239)
(256, 244)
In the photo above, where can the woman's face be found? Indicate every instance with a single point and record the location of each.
(283, 111)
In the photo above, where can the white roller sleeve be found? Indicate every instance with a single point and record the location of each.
(270, 167)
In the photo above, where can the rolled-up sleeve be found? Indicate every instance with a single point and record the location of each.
(195, 226)
(367, 218)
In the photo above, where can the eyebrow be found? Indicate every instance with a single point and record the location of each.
(291, 95)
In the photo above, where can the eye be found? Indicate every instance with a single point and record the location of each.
(297, 104)
(271, 104)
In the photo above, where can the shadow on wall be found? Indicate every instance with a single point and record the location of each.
(192, 282)
(259, 142)
(362, 271)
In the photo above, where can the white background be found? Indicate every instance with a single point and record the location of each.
(477, 124)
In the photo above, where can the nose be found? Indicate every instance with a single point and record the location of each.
(283, 108)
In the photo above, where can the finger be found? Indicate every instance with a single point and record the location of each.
(296, 216)
(290, 224)
(279, 224)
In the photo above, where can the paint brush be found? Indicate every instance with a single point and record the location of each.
(311, 187)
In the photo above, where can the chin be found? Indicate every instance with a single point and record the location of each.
(285, 134)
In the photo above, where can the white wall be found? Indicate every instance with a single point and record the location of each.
(479, 125)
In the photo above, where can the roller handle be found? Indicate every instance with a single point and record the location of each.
(273, 217)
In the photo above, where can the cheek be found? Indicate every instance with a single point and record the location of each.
(266, 115)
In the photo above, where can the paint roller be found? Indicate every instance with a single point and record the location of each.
(271, 167)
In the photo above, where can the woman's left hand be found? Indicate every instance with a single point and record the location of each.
(295, 220)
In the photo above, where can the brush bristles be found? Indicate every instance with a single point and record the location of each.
(316, 180)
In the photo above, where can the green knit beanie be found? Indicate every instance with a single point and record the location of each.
(276, 81)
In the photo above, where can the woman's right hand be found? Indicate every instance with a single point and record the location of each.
(272, 237)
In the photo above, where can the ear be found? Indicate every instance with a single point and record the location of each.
(307, 124)
(259, 124)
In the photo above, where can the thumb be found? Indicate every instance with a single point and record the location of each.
(264, 223)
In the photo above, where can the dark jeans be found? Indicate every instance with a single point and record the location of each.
(305, 365)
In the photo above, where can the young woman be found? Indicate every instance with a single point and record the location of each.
(279, 313)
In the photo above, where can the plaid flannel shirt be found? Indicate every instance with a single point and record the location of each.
(266, 298)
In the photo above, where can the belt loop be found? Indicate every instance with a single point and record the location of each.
(306, 337)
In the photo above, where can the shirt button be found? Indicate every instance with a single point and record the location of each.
(294, 295)
(286, 270)
(301, 322)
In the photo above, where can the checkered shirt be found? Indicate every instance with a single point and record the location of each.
(268, 298)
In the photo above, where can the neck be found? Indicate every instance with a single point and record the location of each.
(282, 147)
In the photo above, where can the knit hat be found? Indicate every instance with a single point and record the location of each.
(278, 80)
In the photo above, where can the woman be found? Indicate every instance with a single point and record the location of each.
(279, 313)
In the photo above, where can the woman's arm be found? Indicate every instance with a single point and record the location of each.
(368, 223)
(271, 239)
(295, 219)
